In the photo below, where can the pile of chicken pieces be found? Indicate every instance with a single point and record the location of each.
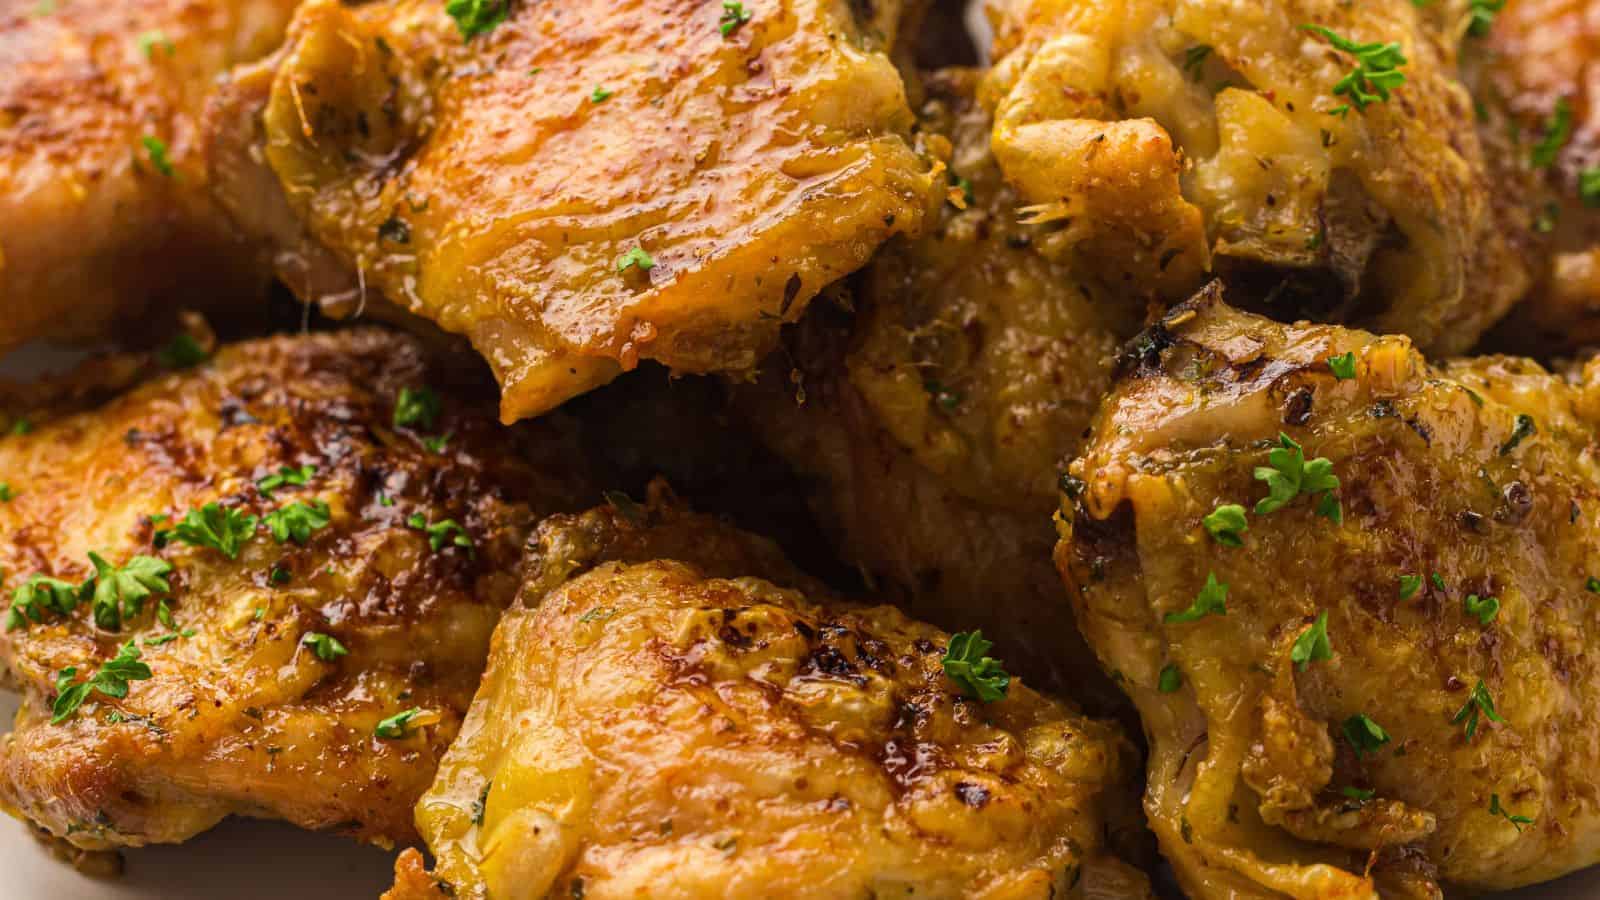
(703, 448)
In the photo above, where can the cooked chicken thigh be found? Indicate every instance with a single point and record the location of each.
(103, 201)
(1337, 176)
(936, 419)
(286, 597)
(581, 185)
(670, 710)
(1352, 595)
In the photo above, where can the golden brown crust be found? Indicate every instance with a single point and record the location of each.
(90, 230)
(240, 716)
(1477, 473)
(497, 185)
(671, 709)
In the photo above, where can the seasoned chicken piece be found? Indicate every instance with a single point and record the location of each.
(1541, 66)
(935, 421)
(1352, 595)
(103, 201)
(672, 711)
(286, 596)
(1165, 138)
(583, 185)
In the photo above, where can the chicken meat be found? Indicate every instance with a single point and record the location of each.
(263, 585)
(1353, 597)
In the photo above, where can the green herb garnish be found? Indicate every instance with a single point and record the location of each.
(297, 520)
(111, 680)
(1376, 73)
(1484, 609)
(981, 677)
(1312, 645)
(733, 15)
(1225, 524)
(447, 532)
(475, 17)
(224, 529)
(1212, 599)
(120, 591)
(417, 407)
(1364, 734)
(325, 646)
(1477, 701)
(1343, 366)
(397, 725)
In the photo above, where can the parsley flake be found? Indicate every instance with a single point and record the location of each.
(6, 493)
(325, 646)
(1481, 15)
(981, 677)
(1495, 809)
(397, 725)
(733, 15)
(441, 534)
(475, 17)
(150, 40)
(1357, 794)
(1225, 524)
(417, 407)
(156, 149)
(1376, 73)
(1589, 186)
(1477, 701)
(111, 680)
(1365, 735)
(1409, 585)
(600, 94)
(286, 475)
(1212, 599)
(1343, 366)
(38, 595)
(1484, 609)
(223, 529)
(182, 352)
(297, 521)
(1312, 645)
(1556, 133)
(1523, 429)
(636, 258)
(1592, 585)
(1289, 475)
(1170, 680)
(120, 591)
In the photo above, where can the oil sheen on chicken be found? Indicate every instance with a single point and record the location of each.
(1166, 138)
(936, 418)
(399, 553)
(586, 184)
(103, 202)
(671, 710)
(1384, 684)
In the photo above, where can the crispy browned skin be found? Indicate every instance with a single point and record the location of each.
(496, 186)
(936, 419)
(90, 230)
(1249, 765)
(1166, 139)
(242, 717)
(671, 710)
(1540, 54)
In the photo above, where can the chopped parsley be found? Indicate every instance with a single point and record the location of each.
(1523, 429)
(111, 680)
(182, 352)
(286, 475)
(1480, 15)
(297, 520)
(325, 646)
(1212, 599)
(397, 725)
(1357, 794)
(156, 149)
(1289, 475)
(223, 529)
(1477, 701)
(600, 94)
(162, 640)
(1171, 679)
(475, 17)
(1495, 809)
(1438, 580)
(1225, 524)
(1343, 365)
(437, 443)
(636, 258)
(1376, 73)
(1312, 645)
(1409, 585)
(733, 15)
(150, 40)
(279, 575)
(441, 534)
(1365, 735)
(6, 493)
(120, 591)
(417, 407)
(1194, 60)
(1592, 585)
(38, 595)
(1556, 133)
(22, 426)
(1485, 609)
(1589, 186)
(980, 677)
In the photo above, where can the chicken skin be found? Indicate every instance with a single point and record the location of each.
(582, 185)
(670, 710)
(103, 200)
(936, 418)
(1352, 595)
(243, 588)
(1169, 139)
